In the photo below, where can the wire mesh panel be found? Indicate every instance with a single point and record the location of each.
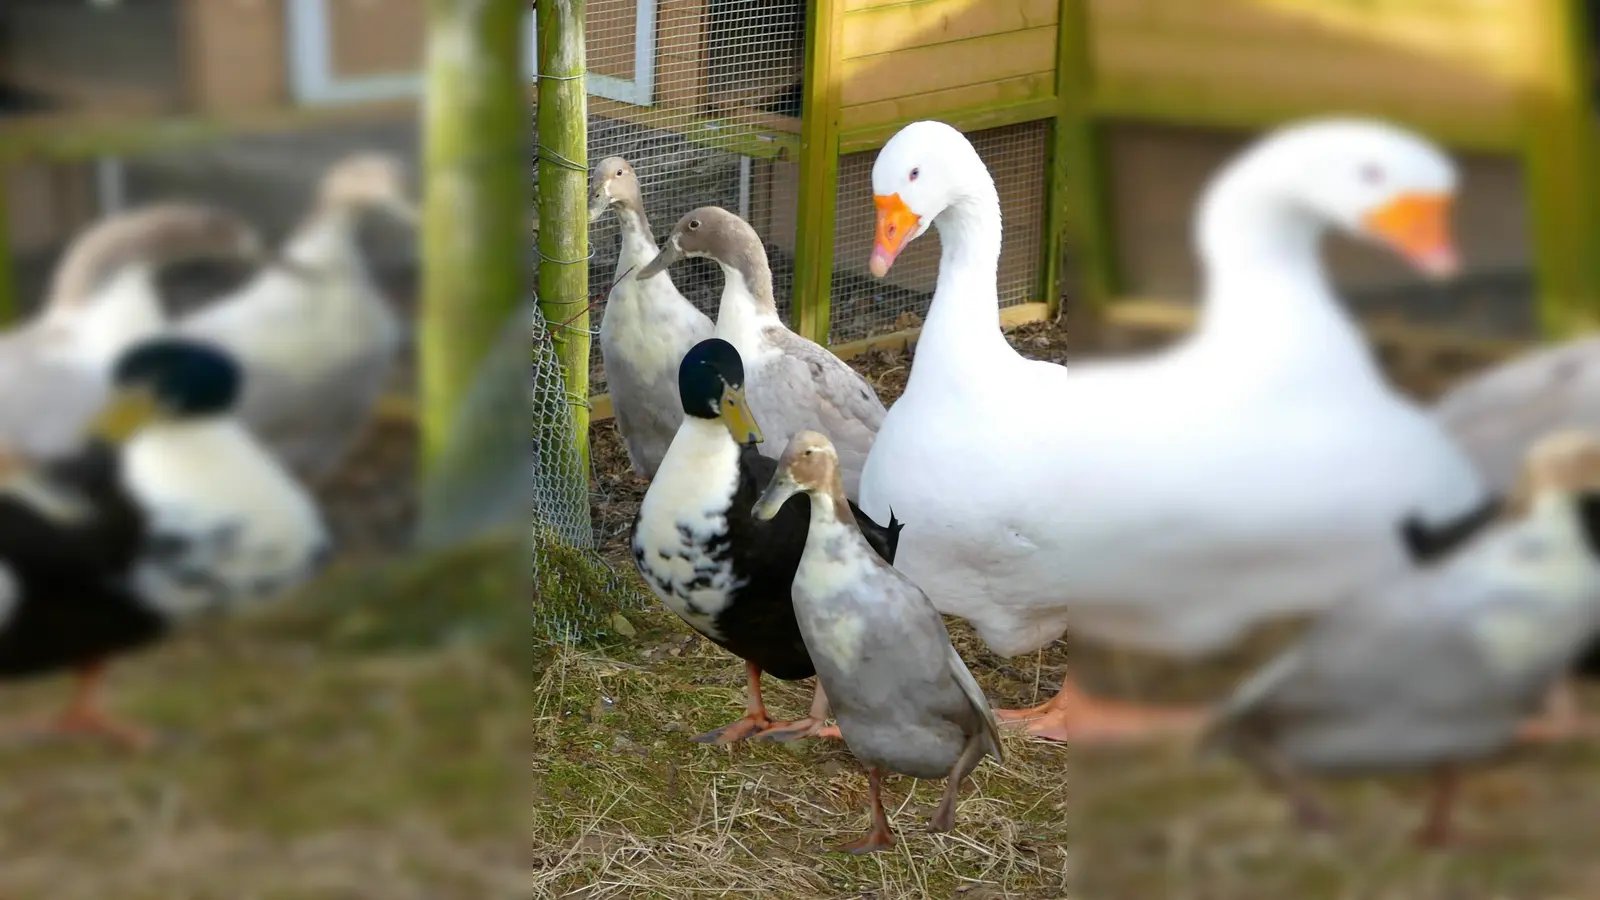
(715, 69)
(575, 590)
(864, 306)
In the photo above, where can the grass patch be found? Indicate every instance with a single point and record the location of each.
(364, 740)
(625, 805)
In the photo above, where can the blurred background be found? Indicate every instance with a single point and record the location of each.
(361, 739)
(1101, 122)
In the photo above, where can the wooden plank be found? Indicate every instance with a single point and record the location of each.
(1394, 59)
(1013, 316)
(927, 23)
(1080, 205)
(1168, 316)
(1332, 77)
(772, 137)
(235, 56)
(936, 104)
(970, 119)
(79, 136)
(903, 73)
(1176, 104)
(819, 171)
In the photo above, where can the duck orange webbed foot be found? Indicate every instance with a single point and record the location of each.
(879, 838)
(86, 715)
(810, 726)
(1074, 717)
(749, 724)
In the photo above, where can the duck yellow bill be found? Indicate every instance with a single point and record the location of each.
(1417, 226)
(896, 224)
(775, 496)
(126, 413)
(737, 418)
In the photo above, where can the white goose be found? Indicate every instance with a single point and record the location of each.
(316, 336)
(1173, 502)
(647, 328)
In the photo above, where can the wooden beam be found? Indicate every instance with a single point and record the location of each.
(1168, 316)
(1079, 210)
(819, 171)
(968, 120)
(1563, 184)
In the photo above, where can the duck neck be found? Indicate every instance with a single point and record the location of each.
(829, 508)
(1265, 286)
(702, 452)
(122, 312)
(638, 241)
(963, 325)
(747, 307)
(326, 239)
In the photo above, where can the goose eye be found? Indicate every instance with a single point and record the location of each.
(914, 173)
(1372, 174)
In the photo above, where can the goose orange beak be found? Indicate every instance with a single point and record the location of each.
(1417, 226)
(896, 224)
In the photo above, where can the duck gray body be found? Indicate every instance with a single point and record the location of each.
(647, 329)
(795, 383)
(903, 698)
(1437, 667)
(1497, 415)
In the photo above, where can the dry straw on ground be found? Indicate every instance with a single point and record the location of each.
(626, 806)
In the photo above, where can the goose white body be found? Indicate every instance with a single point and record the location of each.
(1167, 503)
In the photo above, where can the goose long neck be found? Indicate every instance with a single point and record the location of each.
(963, 324)
(1264, 282)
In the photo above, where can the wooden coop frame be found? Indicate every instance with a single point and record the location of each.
(1506, 77)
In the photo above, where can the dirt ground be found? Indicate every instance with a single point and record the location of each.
(626, 806)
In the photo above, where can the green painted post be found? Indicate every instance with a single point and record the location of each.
(1079, 209)
(564, 199)
(819, 172)
(1563, 185)
(475, 125)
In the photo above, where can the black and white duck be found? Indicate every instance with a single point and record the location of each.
(168, 511)
(703, 553)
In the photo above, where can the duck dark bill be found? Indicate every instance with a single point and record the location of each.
(669, 254)
(778, 492)
(127, 412)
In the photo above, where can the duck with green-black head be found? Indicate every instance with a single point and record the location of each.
(724, 572)
(169, 509)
